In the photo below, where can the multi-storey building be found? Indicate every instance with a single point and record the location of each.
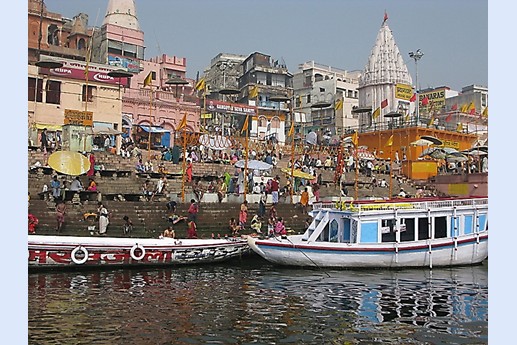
(159, 107)
(324, 98)
(270, 84)
(74, 92)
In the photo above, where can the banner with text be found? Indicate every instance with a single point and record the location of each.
(227, 107)
(403, 91)
(436, 101)
(78, 117)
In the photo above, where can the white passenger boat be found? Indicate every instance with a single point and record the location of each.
(388, 234)
(74, 251)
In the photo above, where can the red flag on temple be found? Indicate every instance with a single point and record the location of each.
(413, 98)
(448, 118)
(454, 107)
(384, 103)
(425, 101)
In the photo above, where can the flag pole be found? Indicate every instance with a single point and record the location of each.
(246, 158)
(150, 123)
(391, 165)
(291, 131)
(184, 164)
(356, 163)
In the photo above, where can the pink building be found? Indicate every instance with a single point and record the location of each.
(160, 106)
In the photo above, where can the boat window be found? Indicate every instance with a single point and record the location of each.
(353, 237)
(333, 231)
(423, 229)
(407, 229)
(324, 236)
(440, 227)
(388, 230)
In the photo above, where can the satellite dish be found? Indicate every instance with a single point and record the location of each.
(311, 138)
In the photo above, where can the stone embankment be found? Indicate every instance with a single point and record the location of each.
(120, 188)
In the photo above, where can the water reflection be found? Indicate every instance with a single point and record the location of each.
(253, 302)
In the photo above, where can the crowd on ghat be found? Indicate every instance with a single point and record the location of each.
(256, 182)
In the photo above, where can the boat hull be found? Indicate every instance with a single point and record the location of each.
(293, 251)
(72, 251)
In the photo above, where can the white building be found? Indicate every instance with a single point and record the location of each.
(318, 93)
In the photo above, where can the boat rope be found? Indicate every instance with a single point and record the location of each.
(315, 264)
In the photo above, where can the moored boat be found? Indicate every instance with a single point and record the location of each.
(386, 234)
(69, 251)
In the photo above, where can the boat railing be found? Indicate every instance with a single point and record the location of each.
(400, 204)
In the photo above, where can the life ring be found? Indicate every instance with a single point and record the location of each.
(75, 259)
(132, 252)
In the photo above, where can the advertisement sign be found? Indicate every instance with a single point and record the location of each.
(403, 91)
(78, 117)
(132, 66)
(76, 69)
(435, 100)
(227, 107)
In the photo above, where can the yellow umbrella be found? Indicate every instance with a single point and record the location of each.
(69, 162)
(298, 173)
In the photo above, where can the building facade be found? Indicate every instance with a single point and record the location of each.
(324, 98)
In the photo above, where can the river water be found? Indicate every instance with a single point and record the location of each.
(248, 301)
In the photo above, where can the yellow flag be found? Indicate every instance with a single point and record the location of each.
(254, 92)
(148, 80)
(201, 84)
(376, 113)
(459, 128)
(245, 125)
(355, 139)
(471, 106)
(485, 112)
(431, 121)
(291, 130)
(183, 123)
(464, 108)
(390, 141)
(339, 104)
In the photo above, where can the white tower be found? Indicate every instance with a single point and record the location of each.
(384, 70)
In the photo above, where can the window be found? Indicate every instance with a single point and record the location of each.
(299, 101)
(88, 94)
(275, 122)
(53, 92)
(308, 98)
(262, 121)
(53, 35)
(33, 93)
(81, 44)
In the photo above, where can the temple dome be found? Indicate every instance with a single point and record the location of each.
(385, 64)
(122, 13)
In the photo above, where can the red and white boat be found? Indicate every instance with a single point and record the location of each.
(73, 251)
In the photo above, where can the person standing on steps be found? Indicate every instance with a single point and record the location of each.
(60, 215)
(103, 215)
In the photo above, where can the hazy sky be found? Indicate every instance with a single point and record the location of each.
(452, 34)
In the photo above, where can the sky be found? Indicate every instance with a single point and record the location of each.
(452, 34)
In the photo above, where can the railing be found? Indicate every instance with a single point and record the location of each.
(399, 204)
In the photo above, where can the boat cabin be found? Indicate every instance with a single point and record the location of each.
(397, 221)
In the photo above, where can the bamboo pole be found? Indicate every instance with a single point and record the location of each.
(150, 123)
(292, 152)
(246, 158)
(184, 164)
